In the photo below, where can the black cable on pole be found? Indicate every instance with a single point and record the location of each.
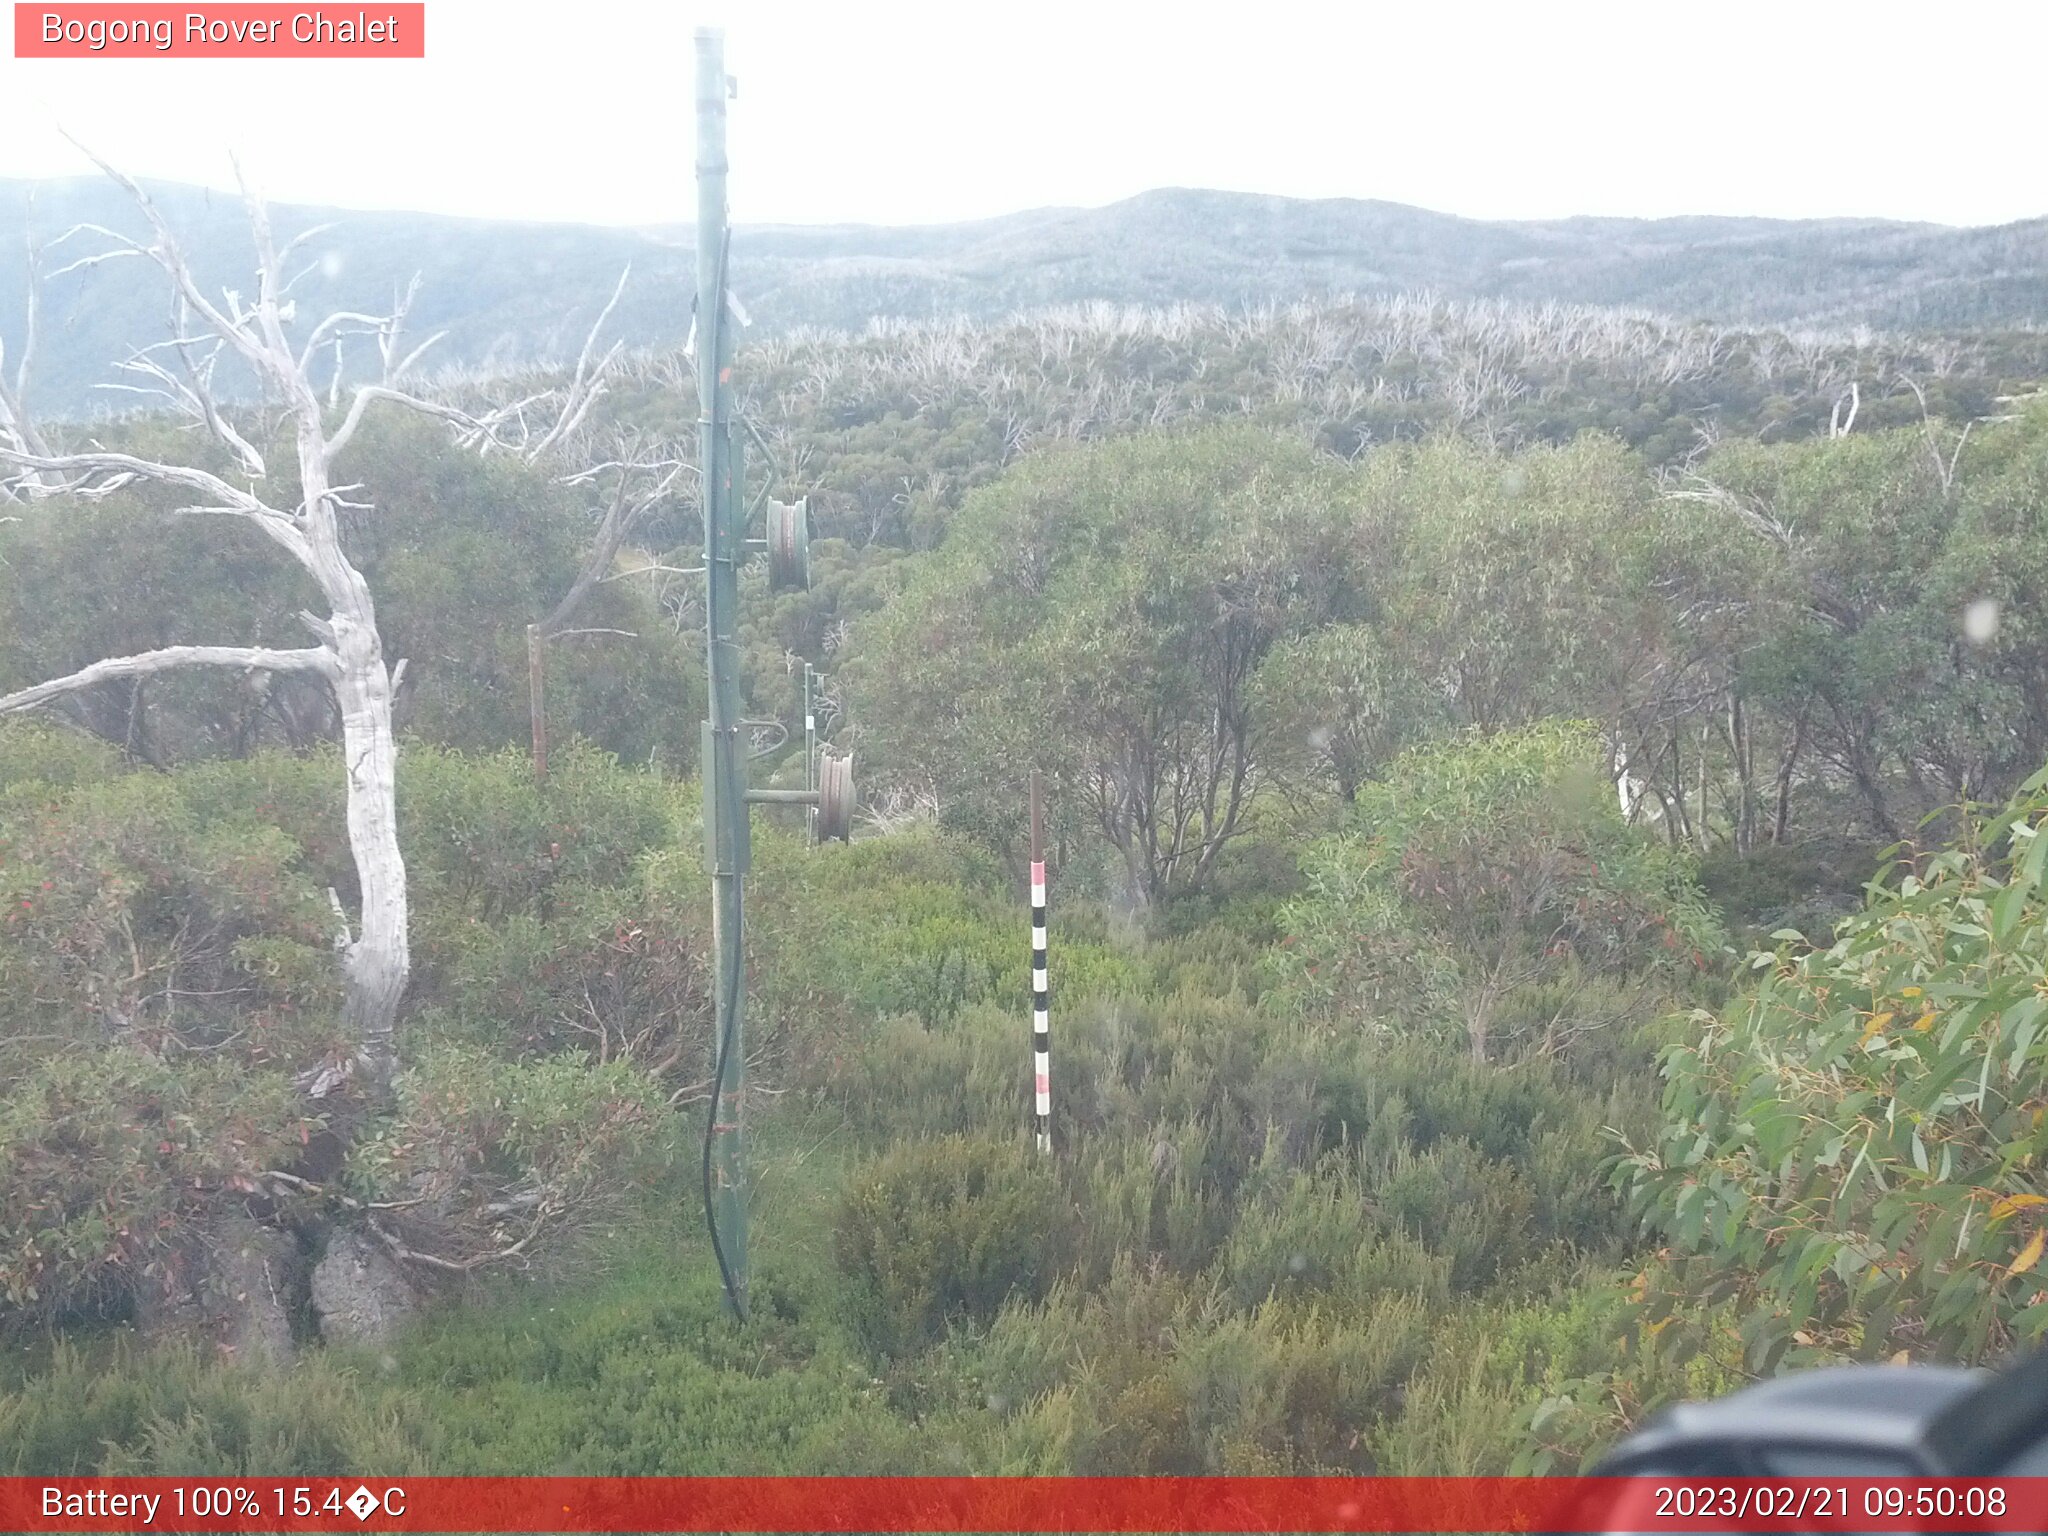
(713, 335)
(732, 1292)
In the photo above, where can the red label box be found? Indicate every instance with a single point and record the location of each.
(1679, 1506)
(235, 31)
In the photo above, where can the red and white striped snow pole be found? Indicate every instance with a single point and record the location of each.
(1041, 1003)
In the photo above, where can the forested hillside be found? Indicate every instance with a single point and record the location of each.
(507, 294)
(1549, 906)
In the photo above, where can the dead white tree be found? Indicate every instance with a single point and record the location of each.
(348, 653)
(641, 476)
(15, 422)
(1944, 465)
(1840, 425)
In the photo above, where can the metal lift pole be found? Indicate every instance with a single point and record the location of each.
(723, 759)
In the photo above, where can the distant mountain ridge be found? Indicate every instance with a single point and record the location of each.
(511, 293)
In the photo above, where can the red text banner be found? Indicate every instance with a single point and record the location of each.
(996, 1504)
(236, 31)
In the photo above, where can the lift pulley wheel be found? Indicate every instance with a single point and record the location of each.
(835, 798)
(789, 545)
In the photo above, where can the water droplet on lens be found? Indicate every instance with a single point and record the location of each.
(1980, 621)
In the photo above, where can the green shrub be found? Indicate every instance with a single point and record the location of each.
(1095, 1361)
(1322, 1233)
(904, 1080)
(945, 1231)
(1147, 1193)
(304, 796)
(1291, 1389)
(1476, 1211)
(613, 974)
(1154, 1373)
(481, 835)
(1522, 1384)
(491, 1156)
(168, 1411)
(35, 752)
(113, 1163)
(1477, 866)
(1851, 1149)
(1808, 885)
(917, 922)
(1529, 1122)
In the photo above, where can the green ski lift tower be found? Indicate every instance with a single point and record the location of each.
(724, 755)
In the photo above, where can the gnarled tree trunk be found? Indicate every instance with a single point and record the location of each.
(379, 958)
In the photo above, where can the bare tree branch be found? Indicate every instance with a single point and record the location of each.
(316, 659)
(471, 431)
(101, 473)
(16, 427)
(231, 325)
(642, 484)
(1944, 468)
(587, 384)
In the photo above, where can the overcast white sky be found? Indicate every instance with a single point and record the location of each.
(884, 112)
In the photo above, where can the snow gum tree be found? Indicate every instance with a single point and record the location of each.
(300, 511)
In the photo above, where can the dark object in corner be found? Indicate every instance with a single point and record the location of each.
(1853, 1421)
